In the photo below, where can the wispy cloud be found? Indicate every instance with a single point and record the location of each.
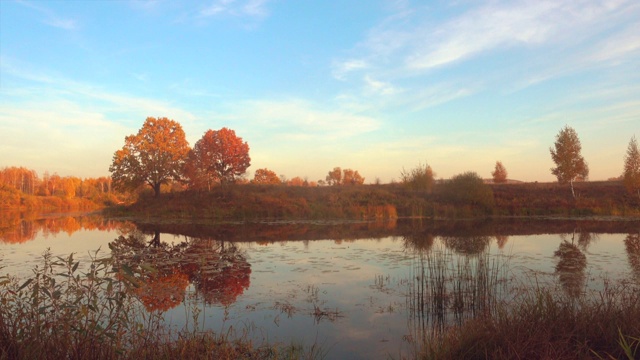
(416, 51)
(342, 68)
(298, 117)
(51, 18)
(380, 87)
(251, 8)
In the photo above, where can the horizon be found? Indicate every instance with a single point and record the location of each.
(313, 86)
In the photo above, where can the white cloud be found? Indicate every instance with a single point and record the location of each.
(343, 68)
(66, 24)
(250, 8)
(298, 117)
(618, 47)
(380, 87)
(51, 18)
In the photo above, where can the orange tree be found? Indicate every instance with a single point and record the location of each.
(219, 156)
(265, 176)
(499, 173)
(154, 156)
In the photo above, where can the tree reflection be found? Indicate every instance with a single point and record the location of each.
(467, 245)
(571, 268)
(219, 271)
(501, 240)
(632, 245)
(17, 228)
(162, 271)
(584, 238)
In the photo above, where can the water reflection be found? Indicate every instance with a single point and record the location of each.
(218, 269)
(572, 264)
(448, 286)
(467, 245)
(426, 274)
(18, 228)
(632, 245)
(501, 240)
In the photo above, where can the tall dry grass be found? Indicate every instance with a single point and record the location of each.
(544, 323)
(67, 311)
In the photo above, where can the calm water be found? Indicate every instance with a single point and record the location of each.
(359, 290)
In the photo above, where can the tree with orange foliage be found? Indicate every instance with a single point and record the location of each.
(154, 156)
(499, 173)
(265, 176)
(351, 177)
(335, 176)
(338, 176)
(297, 181)
(219, 156)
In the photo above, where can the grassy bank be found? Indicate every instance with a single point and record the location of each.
(250, 202)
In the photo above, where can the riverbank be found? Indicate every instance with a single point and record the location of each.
(371, 202)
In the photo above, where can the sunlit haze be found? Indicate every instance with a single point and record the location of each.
(376, 86)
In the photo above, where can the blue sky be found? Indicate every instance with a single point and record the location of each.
(376, 86)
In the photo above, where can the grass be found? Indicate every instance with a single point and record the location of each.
(544, 323)
(251, 202)
(66, 311)
(466, 307)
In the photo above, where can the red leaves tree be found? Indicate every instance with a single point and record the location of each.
(499, 173)
(154, 156)
(265, 176)
(218, 157)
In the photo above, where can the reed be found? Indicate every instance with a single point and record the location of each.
(544, 323)
(68, 310)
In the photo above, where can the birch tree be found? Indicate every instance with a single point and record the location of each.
(570, 165)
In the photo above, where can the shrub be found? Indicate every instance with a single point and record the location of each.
(468, 189)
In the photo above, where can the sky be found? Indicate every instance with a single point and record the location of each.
(377, 86)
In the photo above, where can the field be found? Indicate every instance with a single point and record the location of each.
(250, 202)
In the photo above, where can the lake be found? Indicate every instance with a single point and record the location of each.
(359, 290)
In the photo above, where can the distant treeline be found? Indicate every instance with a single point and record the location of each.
(22, 189)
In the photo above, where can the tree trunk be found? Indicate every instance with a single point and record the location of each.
(156, 189)
(572, 191)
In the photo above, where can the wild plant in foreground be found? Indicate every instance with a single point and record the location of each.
(62, 312)
(544, 323)
(67, 311)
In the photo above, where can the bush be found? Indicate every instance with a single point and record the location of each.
(419, 178)
(468, 189)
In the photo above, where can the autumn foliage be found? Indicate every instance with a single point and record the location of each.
(265, 176)
(337, 176)
(566, 154)
(499, 173)
(219, 157)
(154, 156)
(22, 189)
(631, 174)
